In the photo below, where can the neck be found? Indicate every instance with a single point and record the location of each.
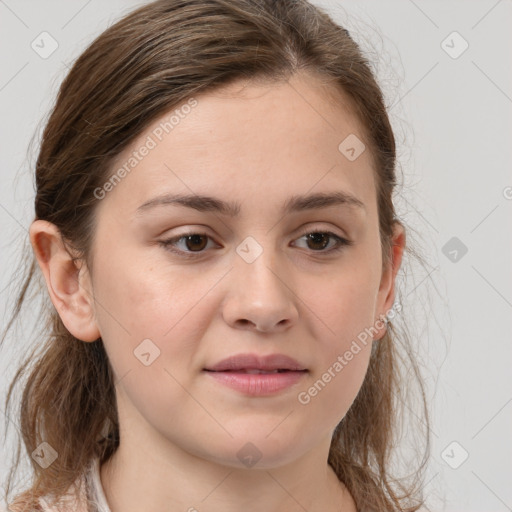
(135, 480)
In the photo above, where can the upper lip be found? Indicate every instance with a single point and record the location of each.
(257, 362)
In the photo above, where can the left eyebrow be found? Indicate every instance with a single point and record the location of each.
(297, 203)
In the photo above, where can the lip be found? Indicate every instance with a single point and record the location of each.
(255, 362)
(248, 373)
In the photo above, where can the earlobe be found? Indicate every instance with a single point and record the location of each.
(386, 295)
(67, 282)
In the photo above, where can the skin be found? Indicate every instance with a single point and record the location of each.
(257, 144)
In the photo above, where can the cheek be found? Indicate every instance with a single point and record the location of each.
(343, 314)
(333, 388)
(136, 298)
(135, 304)
(343, 308)
(151, 328)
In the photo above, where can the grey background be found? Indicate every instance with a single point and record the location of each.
(452, 118)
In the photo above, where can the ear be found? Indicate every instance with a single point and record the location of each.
(68, 283)
(386, 294)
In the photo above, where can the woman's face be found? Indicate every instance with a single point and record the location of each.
(251, 281)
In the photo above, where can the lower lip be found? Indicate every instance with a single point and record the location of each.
(258, 384)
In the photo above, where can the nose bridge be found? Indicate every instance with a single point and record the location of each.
(256, 264)
(259, 293)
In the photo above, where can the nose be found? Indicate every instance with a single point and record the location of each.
(261, 296)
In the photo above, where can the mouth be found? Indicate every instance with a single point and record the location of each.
(255, 371)
(254, 363)
(254, 375)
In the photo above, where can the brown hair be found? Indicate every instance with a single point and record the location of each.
(152, 60)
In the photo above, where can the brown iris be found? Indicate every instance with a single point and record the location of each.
(194, 239)
(316, 238)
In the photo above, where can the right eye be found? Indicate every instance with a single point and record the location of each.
(194, 243)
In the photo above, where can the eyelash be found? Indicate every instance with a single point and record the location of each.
(341, 243)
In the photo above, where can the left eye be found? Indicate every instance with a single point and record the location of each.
(320, 237)
(196, 242)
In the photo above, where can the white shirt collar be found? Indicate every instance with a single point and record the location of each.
(96, 489)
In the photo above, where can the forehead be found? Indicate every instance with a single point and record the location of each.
(256, 141)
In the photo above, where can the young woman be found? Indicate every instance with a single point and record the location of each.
(215, 230)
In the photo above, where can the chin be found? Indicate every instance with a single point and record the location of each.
(257, 451)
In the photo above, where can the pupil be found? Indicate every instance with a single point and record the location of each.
(315, 238)
(194, 238)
